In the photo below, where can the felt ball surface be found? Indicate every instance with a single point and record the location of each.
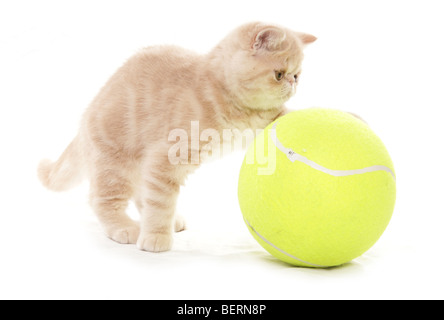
(317, 188)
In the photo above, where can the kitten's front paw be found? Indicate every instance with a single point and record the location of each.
(155, 242)
(179, 224)
(125, 234)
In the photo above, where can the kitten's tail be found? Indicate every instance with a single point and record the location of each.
(66, 172)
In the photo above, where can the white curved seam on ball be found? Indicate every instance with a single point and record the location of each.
(280, 250)
(293, 156)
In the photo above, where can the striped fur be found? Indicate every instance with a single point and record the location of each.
(122, 145)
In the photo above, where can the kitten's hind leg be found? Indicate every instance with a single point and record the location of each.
(110, 191)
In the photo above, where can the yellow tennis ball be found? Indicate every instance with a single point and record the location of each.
(317, 188)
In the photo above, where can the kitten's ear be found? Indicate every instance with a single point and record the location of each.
(306, 38)
(268, 39)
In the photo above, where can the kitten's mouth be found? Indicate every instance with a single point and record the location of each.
(290, 93)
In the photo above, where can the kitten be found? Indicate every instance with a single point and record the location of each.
(123, 146)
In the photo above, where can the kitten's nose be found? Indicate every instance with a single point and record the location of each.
(291, 79)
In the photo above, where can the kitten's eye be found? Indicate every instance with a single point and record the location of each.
(279, 75)
(296, 77)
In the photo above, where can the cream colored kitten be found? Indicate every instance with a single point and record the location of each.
(123, 142)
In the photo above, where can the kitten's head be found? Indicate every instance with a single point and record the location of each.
(262, 64)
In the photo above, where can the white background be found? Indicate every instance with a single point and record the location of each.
(380, 59)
